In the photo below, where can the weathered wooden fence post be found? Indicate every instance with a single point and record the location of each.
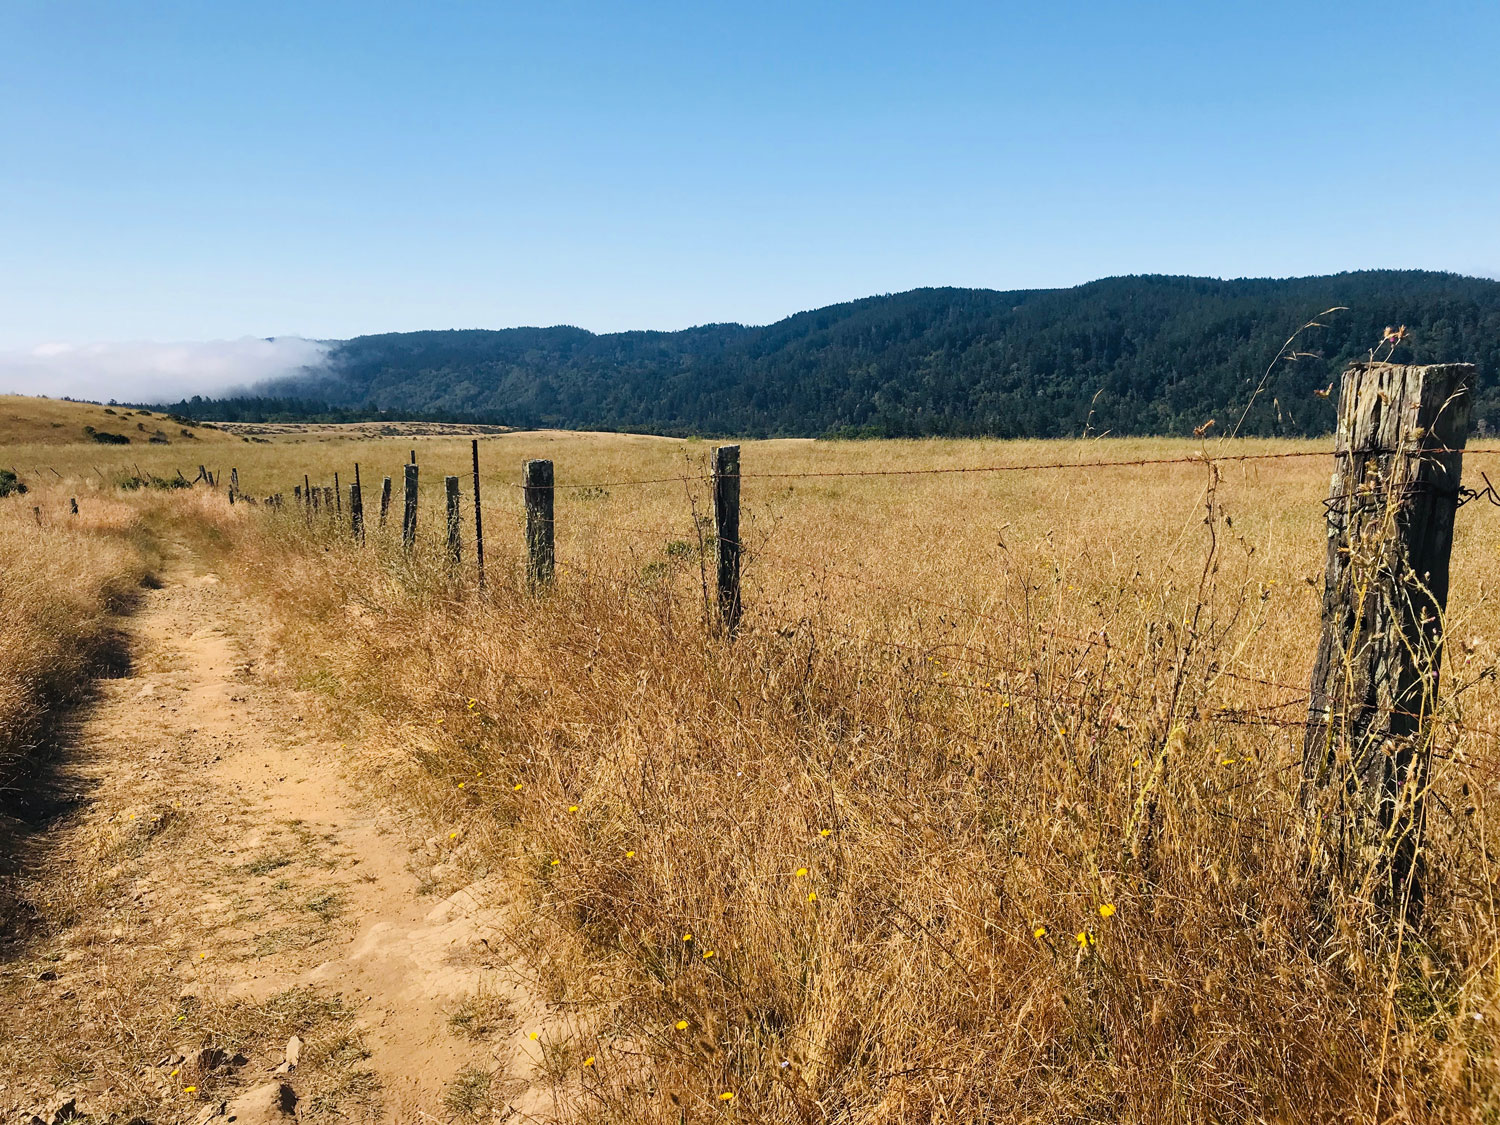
(234, 484)
(357, 507)
(338, 497)
(317, 499)
(409, 516)
(1390, 510)
(455, 528)
(540, 554)
(478, 519)
(73, 505)
(727, 525)
(385, 500)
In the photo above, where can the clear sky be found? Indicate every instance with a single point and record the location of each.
(216, 169)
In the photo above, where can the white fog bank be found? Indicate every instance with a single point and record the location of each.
(144, 371)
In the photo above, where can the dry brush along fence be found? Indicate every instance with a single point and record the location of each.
(1368, 734)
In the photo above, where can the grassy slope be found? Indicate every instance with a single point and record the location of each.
(27, 420)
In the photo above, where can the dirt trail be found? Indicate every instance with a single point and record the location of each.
(254, 867)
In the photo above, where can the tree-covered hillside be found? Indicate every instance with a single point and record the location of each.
(1145, 354)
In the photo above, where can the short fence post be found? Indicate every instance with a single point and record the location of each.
(73, 504)
(455, 528)
(478, 519)
(234, 484)
(357, 507)
(1399, 443)
(409, 516)
(297, 493)
(727, 525)
(317, 499)
(385, 500)
(540, 554)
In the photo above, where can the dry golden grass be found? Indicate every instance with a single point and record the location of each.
(66, 576)
(989, 813)
(26, 420)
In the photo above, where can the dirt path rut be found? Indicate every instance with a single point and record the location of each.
(218, 864)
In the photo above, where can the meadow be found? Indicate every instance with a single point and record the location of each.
(989, 813)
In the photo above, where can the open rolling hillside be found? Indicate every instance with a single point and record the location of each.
(29, 420)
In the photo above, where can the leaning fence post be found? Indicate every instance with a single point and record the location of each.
(455, 528)
(1390, 513)
(385, 500)
(478, 519)
(357, 507)
(727, 525)
(234, 484)
(409, 516)
(540, 554)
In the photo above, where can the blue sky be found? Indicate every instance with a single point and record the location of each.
(214, 170)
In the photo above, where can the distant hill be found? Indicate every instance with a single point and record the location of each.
(31, 420)
(1131, 355)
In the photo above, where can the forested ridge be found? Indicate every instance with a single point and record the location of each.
(1128, 355)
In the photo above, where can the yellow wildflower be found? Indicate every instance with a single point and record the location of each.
(801, 871)
(726, 1096)
(1107, 910)
(1039, 932)
(589, 1061)
(812, 896)
(682, 1025)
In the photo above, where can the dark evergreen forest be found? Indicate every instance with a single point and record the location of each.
(1128, 355)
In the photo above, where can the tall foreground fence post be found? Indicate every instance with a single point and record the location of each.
(409, 515)
(1399, 448)
(478, 519)
(455, 527)
(385, 500)
(357, 507)
(540, 554)
(727, 526)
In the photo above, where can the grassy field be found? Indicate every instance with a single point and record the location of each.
(64, 582)
(26, 422)
(990, 812)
